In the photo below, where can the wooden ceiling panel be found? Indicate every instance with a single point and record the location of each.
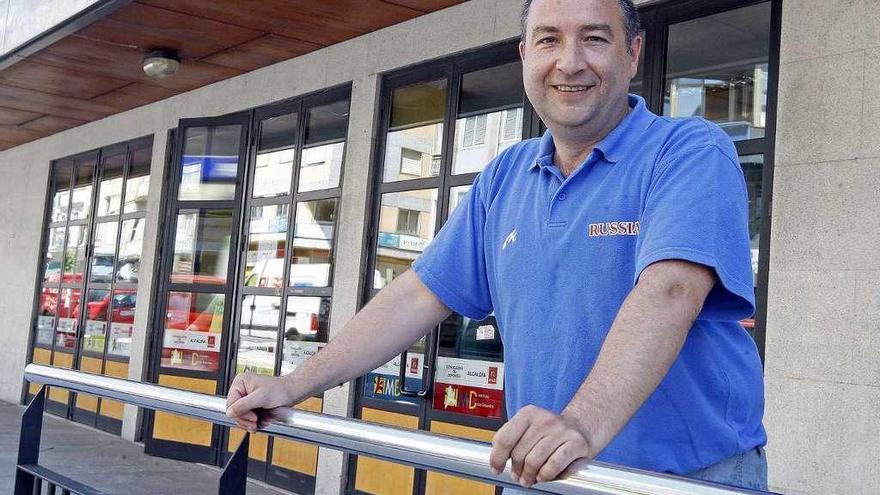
(135, 95)
(127, 63)
(272, 16)
(261, 52)
(13, 133)
(147, 28)
(35, 101)
(51, 124)
(97, 71)
(70, 82)
(11, 116)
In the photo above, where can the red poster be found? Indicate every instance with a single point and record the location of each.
(468, 400)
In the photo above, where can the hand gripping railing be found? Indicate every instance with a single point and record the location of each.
(415, 448)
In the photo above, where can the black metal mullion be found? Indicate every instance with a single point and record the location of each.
(410, 185)
(299, 139)
(751, 147)
(126, 171)
(767, 178)
(319, 194)
(448, 147)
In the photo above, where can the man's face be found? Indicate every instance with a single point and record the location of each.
(576, 66)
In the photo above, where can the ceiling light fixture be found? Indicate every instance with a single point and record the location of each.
(160, 64)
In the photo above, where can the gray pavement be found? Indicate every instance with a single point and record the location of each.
(106, 462)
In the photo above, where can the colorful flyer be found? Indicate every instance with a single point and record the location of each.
(469, 386)
(192, 350)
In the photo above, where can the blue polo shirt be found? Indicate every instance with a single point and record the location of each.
(555, 257)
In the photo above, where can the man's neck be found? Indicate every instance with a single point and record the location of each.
(573, 147)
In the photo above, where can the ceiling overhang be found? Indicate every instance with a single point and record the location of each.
(90, 67)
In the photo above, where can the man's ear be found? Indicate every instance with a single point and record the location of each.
(636, 49)
(522, 50)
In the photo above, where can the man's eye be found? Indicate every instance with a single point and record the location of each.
(546, 40)
(595, 39)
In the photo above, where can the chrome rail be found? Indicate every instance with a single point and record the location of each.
(419, 449)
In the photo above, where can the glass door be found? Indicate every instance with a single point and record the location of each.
(441, 126)
(284, 279)
(195, 303)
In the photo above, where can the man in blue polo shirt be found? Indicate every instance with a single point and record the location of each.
(614, 254)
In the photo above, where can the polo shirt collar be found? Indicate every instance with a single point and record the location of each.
(613, 146)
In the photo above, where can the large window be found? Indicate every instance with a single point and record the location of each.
(717, 66)
(88, 292)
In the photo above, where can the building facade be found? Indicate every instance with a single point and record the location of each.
(239, 226)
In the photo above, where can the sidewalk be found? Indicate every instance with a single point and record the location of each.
(106, 462)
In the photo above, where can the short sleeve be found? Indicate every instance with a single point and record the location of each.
(453, 266)
(696, 210)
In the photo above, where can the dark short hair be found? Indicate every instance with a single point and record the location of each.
(628, 11)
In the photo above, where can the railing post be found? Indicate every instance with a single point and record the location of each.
(233, 479)
(29, 442)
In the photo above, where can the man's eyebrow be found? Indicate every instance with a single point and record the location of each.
(586, 28)
(544, 29)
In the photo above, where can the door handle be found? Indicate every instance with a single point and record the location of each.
(427, 369)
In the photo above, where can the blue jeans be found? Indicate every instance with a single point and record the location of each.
(746, 470)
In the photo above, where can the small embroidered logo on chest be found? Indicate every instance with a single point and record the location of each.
(607, 229)
(511, 238)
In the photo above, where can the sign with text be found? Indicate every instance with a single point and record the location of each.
(469, 386)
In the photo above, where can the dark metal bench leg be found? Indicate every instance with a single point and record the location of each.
(233, 479)
(29, 444)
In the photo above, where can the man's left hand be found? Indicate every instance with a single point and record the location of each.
(540, 445)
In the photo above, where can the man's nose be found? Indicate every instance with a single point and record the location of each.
(570, 60)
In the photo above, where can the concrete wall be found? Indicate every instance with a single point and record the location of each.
(823, 324)
(823, 334)
(21, 20)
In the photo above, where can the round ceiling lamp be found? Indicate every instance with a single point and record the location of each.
(160, 64)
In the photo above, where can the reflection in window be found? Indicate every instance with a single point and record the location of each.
(122, 322)
(275, 155)
(321, 167)
(716, 68)
(131, 240)
(267, 241)
(313, 243)
(75, 254)
(97, 306)
(406, 226)
(61, 198)
(110, 187)
(456, 196)
(417, 126)
(258, 334)
(104, 252)
(201, 247)
(209, 165)
(54, 256)
(137, 186)
(462, 337)
(321, 163)
(46, 315)
(68, 312)
(753, 170)
(489, 116)
(81, 198)
(193, 326)
(306, 327)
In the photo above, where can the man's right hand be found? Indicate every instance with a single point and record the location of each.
(254, 400)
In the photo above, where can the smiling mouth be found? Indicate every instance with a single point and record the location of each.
(570, 89)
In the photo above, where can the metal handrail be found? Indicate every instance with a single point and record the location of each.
(419, 449)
